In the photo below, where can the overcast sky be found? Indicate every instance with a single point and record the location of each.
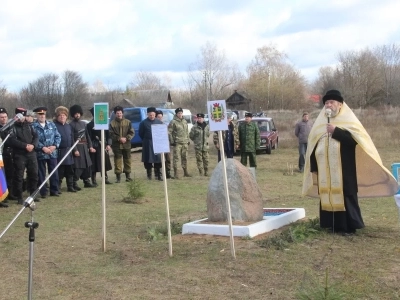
(110, 40)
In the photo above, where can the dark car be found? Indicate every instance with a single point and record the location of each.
(268, 133)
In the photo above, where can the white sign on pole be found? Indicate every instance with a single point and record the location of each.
(160, 138)
(217, 118)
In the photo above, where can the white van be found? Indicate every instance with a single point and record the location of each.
(187, 115)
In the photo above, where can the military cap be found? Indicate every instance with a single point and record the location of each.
(159, 112)
(248, 115)
(179, 109)
(200, 115)
(3, 110)
(21, 111)
(40, 110)
(151, 109)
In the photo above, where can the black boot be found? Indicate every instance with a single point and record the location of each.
(88, 184)
(118, 176)
(107, 181)
(148, 174)
(128, 177)
(158, 174)
(94, 182)
(75, 186)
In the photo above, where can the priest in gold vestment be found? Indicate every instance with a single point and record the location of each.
(343, 164)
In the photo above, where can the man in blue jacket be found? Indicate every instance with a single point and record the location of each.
(49, 140)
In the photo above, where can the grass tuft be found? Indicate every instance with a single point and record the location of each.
(295, 233)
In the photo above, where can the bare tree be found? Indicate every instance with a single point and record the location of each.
(44, 91)
(272, 82)
(211, 76)
(389, 56)
(146, 81)
(75, 89)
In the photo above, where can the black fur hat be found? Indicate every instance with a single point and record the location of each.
(75, 109)
(332, 95)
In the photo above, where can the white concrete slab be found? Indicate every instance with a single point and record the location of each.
(269, 223)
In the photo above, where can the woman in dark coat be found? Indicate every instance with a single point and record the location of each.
(150, 159)
(95, 136)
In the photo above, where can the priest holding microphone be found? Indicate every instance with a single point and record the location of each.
(341, 165)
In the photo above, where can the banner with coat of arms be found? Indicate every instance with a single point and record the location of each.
(217, 115)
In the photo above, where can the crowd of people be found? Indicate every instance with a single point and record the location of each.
(327, 154)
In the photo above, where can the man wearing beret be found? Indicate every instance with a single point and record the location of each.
(121, 133)
(167, 155)
(149, 158)
(249, 139)
(82, 161)
(48, 142)
(24, 141)
(179, 139)
(337, 173)
(199, 134)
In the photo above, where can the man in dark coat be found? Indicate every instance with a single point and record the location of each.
(150, 159)
(66, 169)
(82, 161)
(23, 140)
(95, 136)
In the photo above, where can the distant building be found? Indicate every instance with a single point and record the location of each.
(238, 101)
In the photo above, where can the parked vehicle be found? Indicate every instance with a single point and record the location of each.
(268, 133)
(137, 115)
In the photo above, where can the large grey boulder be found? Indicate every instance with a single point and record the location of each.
(244, 194)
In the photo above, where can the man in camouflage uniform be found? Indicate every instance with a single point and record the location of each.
(249, 138)
(199, 134)
(230, 139)
(179, 139)
(121, 133)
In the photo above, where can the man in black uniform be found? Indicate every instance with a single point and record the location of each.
(23, 140)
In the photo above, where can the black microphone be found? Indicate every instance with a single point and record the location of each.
(11, 122)
(328, 113)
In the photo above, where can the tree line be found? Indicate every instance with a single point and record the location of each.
(367, 77)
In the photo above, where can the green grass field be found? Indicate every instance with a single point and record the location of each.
(69, 262)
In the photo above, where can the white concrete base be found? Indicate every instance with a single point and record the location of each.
(267, 224)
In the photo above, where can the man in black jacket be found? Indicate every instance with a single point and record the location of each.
(23, 140)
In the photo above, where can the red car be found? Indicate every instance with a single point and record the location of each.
(268, 133)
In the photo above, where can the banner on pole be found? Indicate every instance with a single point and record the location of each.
(100, 116)
(217, 118)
